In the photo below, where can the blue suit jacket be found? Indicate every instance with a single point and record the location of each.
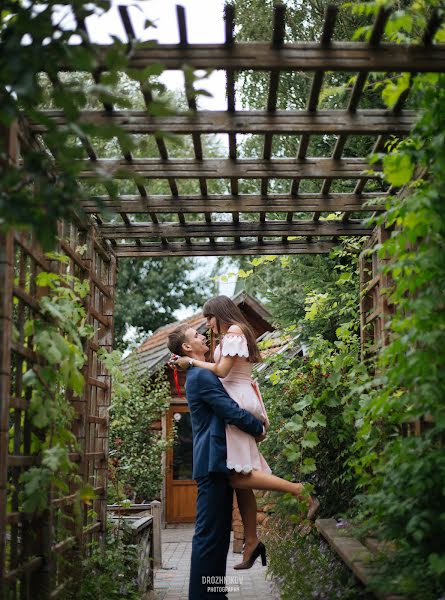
(210, 409)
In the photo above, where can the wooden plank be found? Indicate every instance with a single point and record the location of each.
(228, 228)
(97, 383)
(224, 248)
(292, 122)
(20, 293)
(353, 553)
(247, 203)
(259, 56)
(217, 168)
(26, 568)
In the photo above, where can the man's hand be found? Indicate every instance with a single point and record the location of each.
(179, 362)
(261, 437)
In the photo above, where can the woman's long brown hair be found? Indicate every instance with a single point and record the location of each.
(226, 311)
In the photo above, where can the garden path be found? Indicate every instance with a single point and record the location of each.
(171, 582)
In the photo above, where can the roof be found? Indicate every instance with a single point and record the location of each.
(278, 342)
(153, 352)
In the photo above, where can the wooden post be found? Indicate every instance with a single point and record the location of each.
(8, 156)
(6, 279)
(157, 545)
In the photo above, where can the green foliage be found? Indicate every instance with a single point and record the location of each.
(32, 194)
(57, 338)
(402, 476)
(311, 434)
(109, 572)
(304, 567)
(135, 449)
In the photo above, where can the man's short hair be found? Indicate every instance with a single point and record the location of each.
(177, 338)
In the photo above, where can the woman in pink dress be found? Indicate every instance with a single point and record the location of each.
(234, 358)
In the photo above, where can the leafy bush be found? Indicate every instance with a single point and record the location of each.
(311, 431)
(110, 571)
(135, 449)
(304, 567)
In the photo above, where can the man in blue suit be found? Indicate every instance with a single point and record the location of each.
(210, 409)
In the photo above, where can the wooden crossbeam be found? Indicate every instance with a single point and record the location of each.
(299, 56)
(229, 20)
(279, 28)
(225, 203)
(216, 168)
(357, 91)
(317, 82)
(195, 229)
(292, 122)
(223, 248)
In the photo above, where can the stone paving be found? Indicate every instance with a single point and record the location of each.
(171, 582)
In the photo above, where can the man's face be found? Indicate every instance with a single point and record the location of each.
(196, 342)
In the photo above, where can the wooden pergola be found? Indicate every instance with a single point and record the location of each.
(233, 223)
(262, 223)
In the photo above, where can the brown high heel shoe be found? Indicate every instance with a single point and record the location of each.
(313, 508)
(259, 549)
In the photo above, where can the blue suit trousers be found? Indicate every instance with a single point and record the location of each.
(211, 541)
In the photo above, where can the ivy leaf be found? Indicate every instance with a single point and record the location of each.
(437, 563)
(29, 378)
(76, 381)
(317, 420)
(293, 426)
(310, 440)
(87, 493)
(54, 457)
(398, 168)
(299, 406)
(308, 466)
(36, 481)
(292, 453)
(392, 91)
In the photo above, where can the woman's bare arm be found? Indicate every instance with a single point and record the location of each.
(221, 368)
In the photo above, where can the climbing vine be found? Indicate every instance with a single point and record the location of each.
(56, 335)
(402, 475)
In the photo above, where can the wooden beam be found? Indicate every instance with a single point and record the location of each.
(217, 168)
(364, 122)
(195, 229)
(225, 203)
(223, 249)
(260, 56)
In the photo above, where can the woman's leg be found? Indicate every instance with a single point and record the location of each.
(248, 510)
(259, 480)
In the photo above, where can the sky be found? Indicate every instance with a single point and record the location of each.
(205, 24)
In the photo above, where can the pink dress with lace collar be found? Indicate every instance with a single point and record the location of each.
(243, 454)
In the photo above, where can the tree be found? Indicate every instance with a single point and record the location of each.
(149, 291)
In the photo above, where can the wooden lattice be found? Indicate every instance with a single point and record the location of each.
(35, 550)
(31, 547)
(262, 223)
(375, 286)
